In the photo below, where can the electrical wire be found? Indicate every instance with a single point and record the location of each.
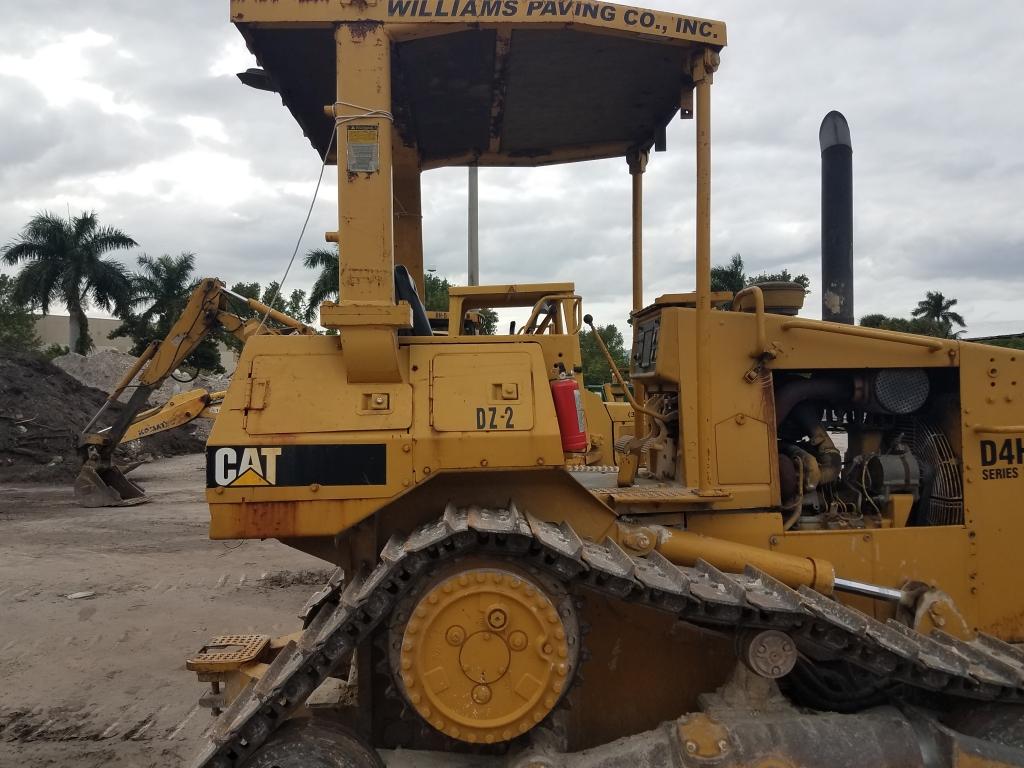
(366, 113)
(864, 486)
(302, 232)
(797, 508)
(186, 381)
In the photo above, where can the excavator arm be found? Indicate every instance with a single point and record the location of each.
(100, 483)
(176, 412)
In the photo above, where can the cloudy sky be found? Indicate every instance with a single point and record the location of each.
(132, 109)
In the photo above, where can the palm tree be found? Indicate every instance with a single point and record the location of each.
(163, 286)
(326, 285)
(938, 309)
(164, 283)
(63, 261)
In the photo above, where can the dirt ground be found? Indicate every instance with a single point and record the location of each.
(101, 681)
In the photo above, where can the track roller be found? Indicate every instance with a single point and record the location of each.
(314, 744)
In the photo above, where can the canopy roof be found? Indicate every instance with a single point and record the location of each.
(493, 82)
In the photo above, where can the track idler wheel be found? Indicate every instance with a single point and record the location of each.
(486, 651)
(314, 744)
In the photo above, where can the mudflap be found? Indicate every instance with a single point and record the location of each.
(107, 487)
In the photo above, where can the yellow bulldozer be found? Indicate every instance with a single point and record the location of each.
(801, 553)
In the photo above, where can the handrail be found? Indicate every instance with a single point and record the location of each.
(931, 344)
(1000, 430)
(529, 327)
(762, 331)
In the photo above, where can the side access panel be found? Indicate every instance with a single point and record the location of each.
(297, 450)
(480, 406)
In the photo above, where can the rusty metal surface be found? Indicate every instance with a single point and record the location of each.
(982, 669)
(499, 80)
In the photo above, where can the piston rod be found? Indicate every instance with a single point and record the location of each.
(864, 589)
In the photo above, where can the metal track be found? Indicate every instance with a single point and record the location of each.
(339, 619)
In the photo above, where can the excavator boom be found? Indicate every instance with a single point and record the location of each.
(100, 482)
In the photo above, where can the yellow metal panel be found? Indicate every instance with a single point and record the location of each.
(992, 399)
(733, 395)
(477, 392)
(285, 519)
(310, 393)
(437, 451)
(353, 313)
(743, 448)
(308, 401)
(813, 344)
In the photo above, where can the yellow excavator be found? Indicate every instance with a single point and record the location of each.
(802, 555)
(100, 482)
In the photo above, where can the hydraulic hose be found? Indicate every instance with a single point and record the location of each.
(589, 320)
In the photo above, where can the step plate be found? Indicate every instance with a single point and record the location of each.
(226, 653)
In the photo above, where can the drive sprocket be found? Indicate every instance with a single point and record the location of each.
(486, 650)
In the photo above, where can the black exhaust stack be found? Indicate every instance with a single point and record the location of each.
(836, 219)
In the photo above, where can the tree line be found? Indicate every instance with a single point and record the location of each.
(68, 261)
(934, 315)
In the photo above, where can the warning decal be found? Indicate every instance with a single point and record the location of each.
(363, 149)
(234, 466)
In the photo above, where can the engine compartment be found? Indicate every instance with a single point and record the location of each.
(862, 449)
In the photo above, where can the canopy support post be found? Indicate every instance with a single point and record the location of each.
(366, 314)
(703, 72)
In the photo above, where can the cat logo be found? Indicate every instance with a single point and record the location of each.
(235, 467)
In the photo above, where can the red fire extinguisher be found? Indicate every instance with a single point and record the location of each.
(572, 423)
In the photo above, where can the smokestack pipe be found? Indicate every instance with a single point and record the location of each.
(836, 219)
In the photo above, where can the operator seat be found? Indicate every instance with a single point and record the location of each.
(405, 290)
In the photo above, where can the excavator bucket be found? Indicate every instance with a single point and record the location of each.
(107, 487)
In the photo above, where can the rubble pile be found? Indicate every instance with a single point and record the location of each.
(42, 412)
(104, 368)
